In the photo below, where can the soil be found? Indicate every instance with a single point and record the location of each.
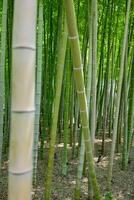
(63, 187)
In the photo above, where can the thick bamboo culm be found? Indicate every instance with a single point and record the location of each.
(79, 82)
(22, 100)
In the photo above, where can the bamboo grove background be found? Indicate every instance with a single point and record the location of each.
(84, 86)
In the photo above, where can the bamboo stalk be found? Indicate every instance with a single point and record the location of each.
(79, 82)
(22, 101)
(56, 104)
(2, 73)
(88, 93)
(66, 114)
(38, 88)
(131, 109)
(119, 87)
(94, 70)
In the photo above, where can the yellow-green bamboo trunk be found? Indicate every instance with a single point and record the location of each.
(22, 102)
(80, 87)
(56, 104)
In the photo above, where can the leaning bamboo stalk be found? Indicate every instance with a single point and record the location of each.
(56, 104)
(22, 100)
(80, 88)
(88, 93)
(2, 72)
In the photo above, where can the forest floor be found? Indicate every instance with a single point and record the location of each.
(63, 187)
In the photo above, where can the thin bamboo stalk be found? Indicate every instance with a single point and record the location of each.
(56, 104)
(94, 70)
(38, 88)
(66, 114)
(119, 87)
(2, 72)
(131, 110)
(125, 116)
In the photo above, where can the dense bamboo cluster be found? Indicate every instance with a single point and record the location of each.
(66, 79)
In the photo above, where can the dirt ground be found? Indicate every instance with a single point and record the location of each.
(63, 187)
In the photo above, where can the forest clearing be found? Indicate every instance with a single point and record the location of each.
(66, 99)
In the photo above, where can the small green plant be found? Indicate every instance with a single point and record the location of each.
(109, 196)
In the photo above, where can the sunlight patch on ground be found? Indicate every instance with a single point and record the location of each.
(99, 141)
(85, 180)
(73, 182)
(61, 145)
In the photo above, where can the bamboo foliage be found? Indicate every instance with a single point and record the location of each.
(2, 72)
(22, 104)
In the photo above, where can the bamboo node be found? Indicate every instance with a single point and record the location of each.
(81, 92)
(83, 110)
(23, 111)
(73, 37)
(20, 173)
(84, 127)
(78, 68)
(24, 47)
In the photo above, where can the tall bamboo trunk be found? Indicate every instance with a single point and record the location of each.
(22, 101)
(94, 70)
(55, 113)
(80, 88)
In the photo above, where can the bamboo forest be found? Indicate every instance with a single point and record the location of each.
(66, 99)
